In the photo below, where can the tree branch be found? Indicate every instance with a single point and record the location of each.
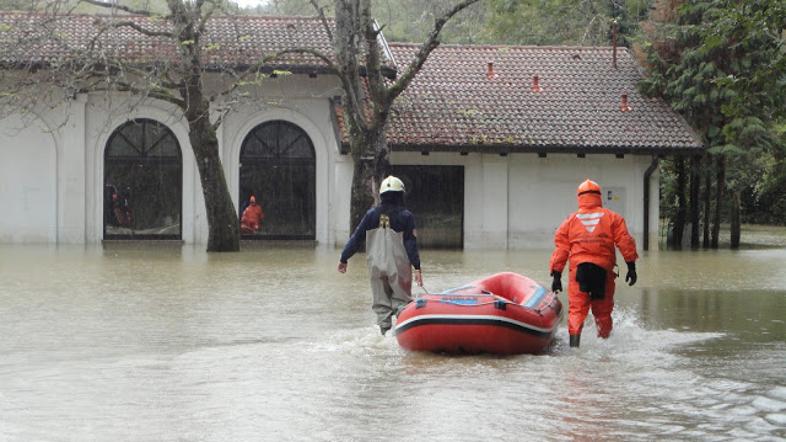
(207, 15)
(127, 87)
(347, 46)
(141, 30)
(309, 51)
(425, 49)
(346, 78)
(255, 68)
(109, 5)
(376, 84)
(321, 14)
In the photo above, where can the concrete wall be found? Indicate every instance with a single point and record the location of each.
(517, 201)
(51, 172)
(52, 159)
(28, 181)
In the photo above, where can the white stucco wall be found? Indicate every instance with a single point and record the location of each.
(543, 192)
(28, 181)
(517, 201)
(52, 160)
(51, 172)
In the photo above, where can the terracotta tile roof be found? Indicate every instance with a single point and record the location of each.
(452, 105)
(241, 40)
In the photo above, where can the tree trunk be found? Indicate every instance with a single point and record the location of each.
(695, 184)
(362, 191)
(679, 219)
(369, 100)
(735, 220)
(707, 191)
(368, 172)
(222, 219)
(223, 224)
(720, 181)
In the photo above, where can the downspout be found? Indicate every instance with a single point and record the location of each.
(647, 175)
(507, 218)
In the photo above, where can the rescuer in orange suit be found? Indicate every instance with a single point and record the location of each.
(252, 217)
(587, 238)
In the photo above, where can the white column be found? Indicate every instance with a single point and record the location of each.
(342, 189)
(494, 202)
(72, 196)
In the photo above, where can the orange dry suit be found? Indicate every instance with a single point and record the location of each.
(252, 218)
(588, 237)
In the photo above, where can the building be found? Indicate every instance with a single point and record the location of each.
(491, 141)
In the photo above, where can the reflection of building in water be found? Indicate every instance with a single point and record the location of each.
(491, 161)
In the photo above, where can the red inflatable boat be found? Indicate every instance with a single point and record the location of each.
(506, 313)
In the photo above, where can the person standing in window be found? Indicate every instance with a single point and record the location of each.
(251, 221)
(122, 208)
(392, 252)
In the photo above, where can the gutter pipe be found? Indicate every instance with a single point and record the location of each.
(647, 174)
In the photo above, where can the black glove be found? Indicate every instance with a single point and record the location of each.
(630, 278)
(556, 284)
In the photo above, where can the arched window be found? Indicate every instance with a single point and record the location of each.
(278, 168)
(143, 171)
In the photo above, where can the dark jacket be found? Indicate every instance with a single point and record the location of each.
(401, 220)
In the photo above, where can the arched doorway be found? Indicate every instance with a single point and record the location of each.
(143, 172)
(278, 167)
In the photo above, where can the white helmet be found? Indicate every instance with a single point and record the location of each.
(391, 184)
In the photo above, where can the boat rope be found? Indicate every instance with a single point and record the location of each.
(497, 300)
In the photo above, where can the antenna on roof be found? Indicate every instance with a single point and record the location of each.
(384, 43)
(615, 27)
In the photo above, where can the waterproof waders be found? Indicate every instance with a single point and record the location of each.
(390, 271)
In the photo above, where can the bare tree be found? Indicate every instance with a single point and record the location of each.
(171, 57)
(368, 89)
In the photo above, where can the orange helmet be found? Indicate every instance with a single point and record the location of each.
(588, 186)
(252, 199)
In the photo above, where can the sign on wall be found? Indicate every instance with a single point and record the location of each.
(614, 199)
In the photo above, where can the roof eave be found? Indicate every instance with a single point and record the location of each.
(293, 68)
(552, 148)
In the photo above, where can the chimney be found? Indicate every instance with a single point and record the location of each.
(614, 30)
(490, 71)
(536, 84)
(624, 106)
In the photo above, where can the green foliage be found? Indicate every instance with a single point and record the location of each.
(19, 5)
(563, 22)
(284, 7)
(764, 186)
(80, 7)
(403, 20)
(722, 65)
(155, 6)
(557, 22)
(729, 79)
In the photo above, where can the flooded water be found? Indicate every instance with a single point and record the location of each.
(124, 343)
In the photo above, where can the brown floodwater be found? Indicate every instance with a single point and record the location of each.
(164, 343)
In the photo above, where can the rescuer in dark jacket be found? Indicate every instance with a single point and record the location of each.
(391, 249)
